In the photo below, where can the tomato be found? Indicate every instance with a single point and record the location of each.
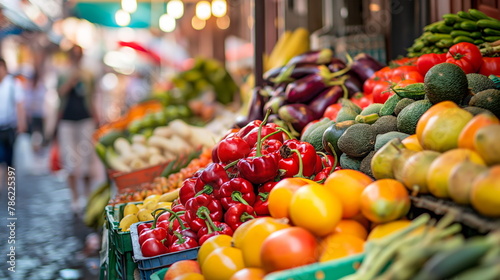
(466, 55)
(402, 70)
(222, 263)
(362, 100)
(404, 61)
(490, 66)
(413, 75)
(369, 84)
(288, 248)
(426, 61)
(212, 243)
(316, 209)
(332, 111)
(249, 273)
(385, 200)
(381, 92)
(280, 196)
(250, 240)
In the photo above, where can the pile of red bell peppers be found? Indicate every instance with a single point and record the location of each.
(247, 164)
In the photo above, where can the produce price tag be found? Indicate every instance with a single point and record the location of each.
(11, 218)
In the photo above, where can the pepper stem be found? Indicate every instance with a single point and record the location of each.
(238, 197)
(301, 164)
(204, 214)
(207, 189)
(258, 153)
(156, 216)
(290, 136)
(175, 215)
(246, 217)
(263, 196)
(180, 238)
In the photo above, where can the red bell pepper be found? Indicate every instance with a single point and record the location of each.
(153, 247)
(181, 242)
(201, 208)
(188, 189)
(142, 227)
(269, 147)
(237, 214)
(212, 177)
(248, 127)
(261, 202)
(232, 148)
(159, 233)
(268, 128)
(213, 228)
(298, 159)
(236, 191)
(490, 66)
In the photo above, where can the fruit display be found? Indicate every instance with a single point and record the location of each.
(471, 26)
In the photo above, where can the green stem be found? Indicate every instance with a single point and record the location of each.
(246, 217)
(204, 213)
(258, 153)
(207, 189)
(180, 238)
(175, 215)
(301, 164)
(156, 216)
(238, 196)
(288, 133)
(263, 196)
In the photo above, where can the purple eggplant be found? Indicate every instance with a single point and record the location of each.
(292, 73)
(365, 65)
(322, 56)
(326, 98)
(255, 108)
(298, 115)
(353, 83)
(270, 74)
(274, 103)
(336, 64)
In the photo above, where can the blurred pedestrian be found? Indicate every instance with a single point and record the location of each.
(35, 103)
(12, 115)
(77, 123)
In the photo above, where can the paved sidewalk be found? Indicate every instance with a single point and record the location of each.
(49, 238)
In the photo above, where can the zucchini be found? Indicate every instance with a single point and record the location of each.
(444, 43)
(443, 28)
(437, 36)
(491, 38)
(468, 25)
(476, 14)
(491, 32)
(465, 15)
(451, 18)
(460, 39)
(478, 41)
(488, 23)
(456, 33)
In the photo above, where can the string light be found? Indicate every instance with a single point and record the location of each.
(197, 23)
(203, 11)
(129, 6)
(175, 8)
(167, 23)
(122, 18)
(219, 8)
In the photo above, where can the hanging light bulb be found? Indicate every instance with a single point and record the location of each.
(175, 8)
(203, 10)
(122, 18)
(167, 23)
(129, 6)
(223, 22)
(219, 8)
(197, 23)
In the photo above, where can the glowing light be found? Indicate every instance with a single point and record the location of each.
(167, 23)
(219, 8)
(175, 8)
(197, 23)
(223, 22)
(203, 10)
(129, 6)
(122, 18)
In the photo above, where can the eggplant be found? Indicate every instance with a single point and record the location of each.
(318, 57)
(292, 73)
(274, 103)
(336, 64)
(305, 89)
(324, 99)
(365, 65)
(298, 115)
(270, 74)
(353, 83)
(255, 108)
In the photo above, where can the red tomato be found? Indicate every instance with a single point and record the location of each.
(332, 111)
(381, 92)
(413, 75)
(466, 55)
(362, 100)
(288, 248)
(426, 61)
(490, 66)
(369, 84)
(402, 70)
(404, 83)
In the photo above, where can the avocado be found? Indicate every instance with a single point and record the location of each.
(358, 140)
(385, 124)
(314, 134)
(445, 81)
(347, 162)
(365, 165)
(401, 104)
(382, 139)
(346, 114)
(476, 110)
(479, 82)
(332, 134)
(488, 99)
(349, 104)
(373, 108)
(409, 116)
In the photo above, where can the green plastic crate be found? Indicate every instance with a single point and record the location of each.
(120, 239)
(159, 275)
(331, 270)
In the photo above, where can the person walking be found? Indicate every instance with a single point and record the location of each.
(12, 116)
(78, 120)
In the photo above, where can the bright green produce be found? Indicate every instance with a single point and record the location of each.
(358, 140)
(346, 114)
(409, 116)
(314, 134)
(332, 134)
(446, 81)
(487, 99)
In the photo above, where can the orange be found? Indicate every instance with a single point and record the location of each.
(339, 245)
(385, 200)
(351, 227)
(466, 137)
(347, 185)
(436, 108)
(485, 193)
(411, 143)
(385, 229)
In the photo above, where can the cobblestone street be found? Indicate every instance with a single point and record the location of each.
(49, 238)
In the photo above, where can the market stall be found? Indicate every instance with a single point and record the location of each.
(337, 167)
